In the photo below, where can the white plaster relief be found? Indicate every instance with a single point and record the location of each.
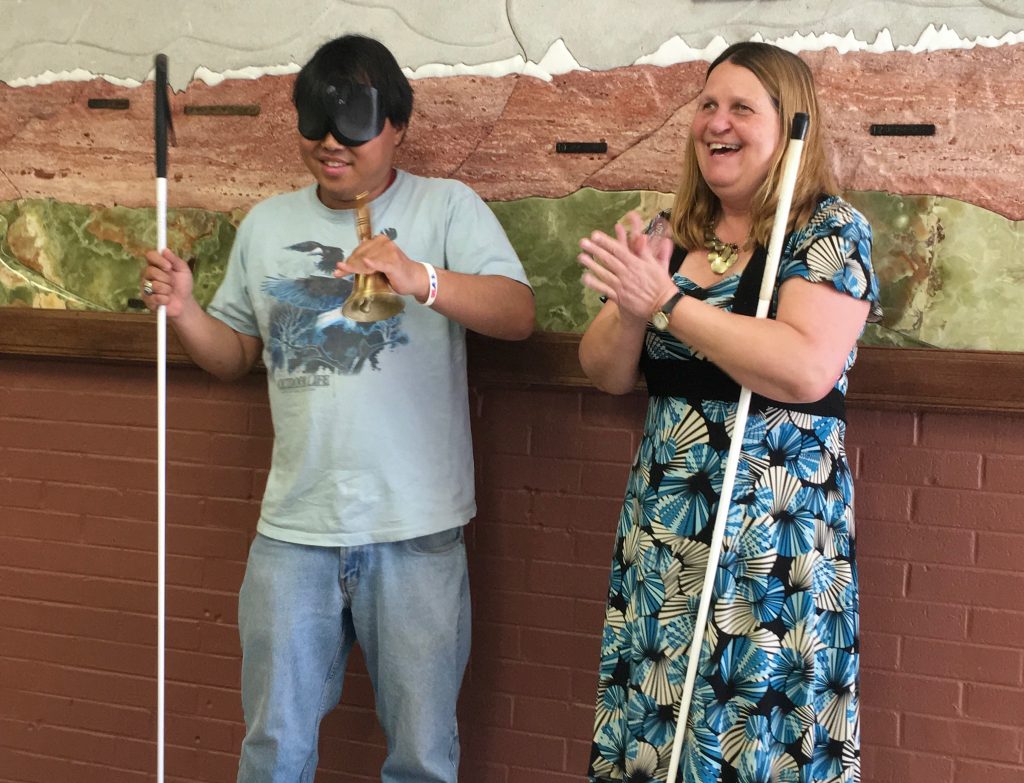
(115, 40)
(120, 37)
(602, 35)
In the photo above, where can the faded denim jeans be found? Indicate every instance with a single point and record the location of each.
(300, 610)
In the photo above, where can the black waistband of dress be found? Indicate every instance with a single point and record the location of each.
(699, 379)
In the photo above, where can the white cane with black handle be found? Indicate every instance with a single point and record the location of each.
(162, 115)
(788, 182)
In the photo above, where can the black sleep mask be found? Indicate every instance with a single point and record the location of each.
(350, 112)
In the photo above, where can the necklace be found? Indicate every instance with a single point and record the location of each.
(721, 255)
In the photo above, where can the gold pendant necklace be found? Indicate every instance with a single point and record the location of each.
(721, 255)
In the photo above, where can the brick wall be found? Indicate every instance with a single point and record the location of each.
(940, 505)
(941, 539)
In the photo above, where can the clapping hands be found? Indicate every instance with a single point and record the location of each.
(630, 269)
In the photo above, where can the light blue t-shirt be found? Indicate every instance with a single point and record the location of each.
(371, 421)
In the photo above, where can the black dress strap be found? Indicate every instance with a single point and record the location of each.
(748, 288)
(699, 379)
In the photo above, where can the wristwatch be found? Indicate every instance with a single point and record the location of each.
(661, 317)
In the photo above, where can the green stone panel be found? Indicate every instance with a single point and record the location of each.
(903, 256)
(979, 280)
(70, 256)
(546, 233)
(949, 272)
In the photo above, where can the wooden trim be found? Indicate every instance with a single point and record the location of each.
(128, 337)
(904, 378)
(890, 378)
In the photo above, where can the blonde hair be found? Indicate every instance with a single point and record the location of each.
(788, 81)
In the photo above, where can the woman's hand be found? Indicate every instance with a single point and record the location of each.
(168, 281)
(628, 270)
(380, 254)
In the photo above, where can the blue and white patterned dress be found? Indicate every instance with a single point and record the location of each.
(776, 696)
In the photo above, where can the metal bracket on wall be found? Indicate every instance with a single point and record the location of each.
(586, 147)
(903, 129)
(225, 110)
(119, 104)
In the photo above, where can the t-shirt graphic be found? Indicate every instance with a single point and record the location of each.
(308, 332)
(355, 459)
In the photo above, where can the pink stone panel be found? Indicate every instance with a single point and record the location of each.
(499, 134)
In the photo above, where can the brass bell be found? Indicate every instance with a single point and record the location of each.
(372, 299)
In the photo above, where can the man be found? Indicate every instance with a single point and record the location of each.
(360, 532)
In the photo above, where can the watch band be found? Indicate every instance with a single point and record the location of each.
(663, 315)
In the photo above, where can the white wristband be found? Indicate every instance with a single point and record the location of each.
(432, 288)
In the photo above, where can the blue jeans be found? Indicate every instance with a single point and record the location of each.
(300, 610)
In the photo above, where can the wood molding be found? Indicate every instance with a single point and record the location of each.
(894, 378)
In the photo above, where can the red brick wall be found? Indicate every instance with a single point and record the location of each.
(940, 505)
(941, 539)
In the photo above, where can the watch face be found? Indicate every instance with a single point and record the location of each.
(660, 321)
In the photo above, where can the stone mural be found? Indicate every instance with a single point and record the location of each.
(77, 182)
(495, 92)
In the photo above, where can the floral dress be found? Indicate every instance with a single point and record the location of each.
(776, 694)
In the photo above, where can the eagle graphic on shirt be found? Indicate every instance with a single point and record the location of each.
(309, 334)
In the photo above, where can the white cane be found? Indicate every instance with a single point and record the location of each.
(790, 167)
(162, 115)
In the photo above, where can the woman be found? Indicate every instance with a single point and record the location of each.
(776, 694)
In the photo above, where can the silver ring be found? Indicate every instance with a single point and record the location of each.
(147, 289)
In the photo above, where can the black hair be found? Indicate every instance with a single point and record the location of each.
(361, 60)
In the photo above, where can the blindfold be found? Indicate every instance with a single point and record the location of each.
(350, 112)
